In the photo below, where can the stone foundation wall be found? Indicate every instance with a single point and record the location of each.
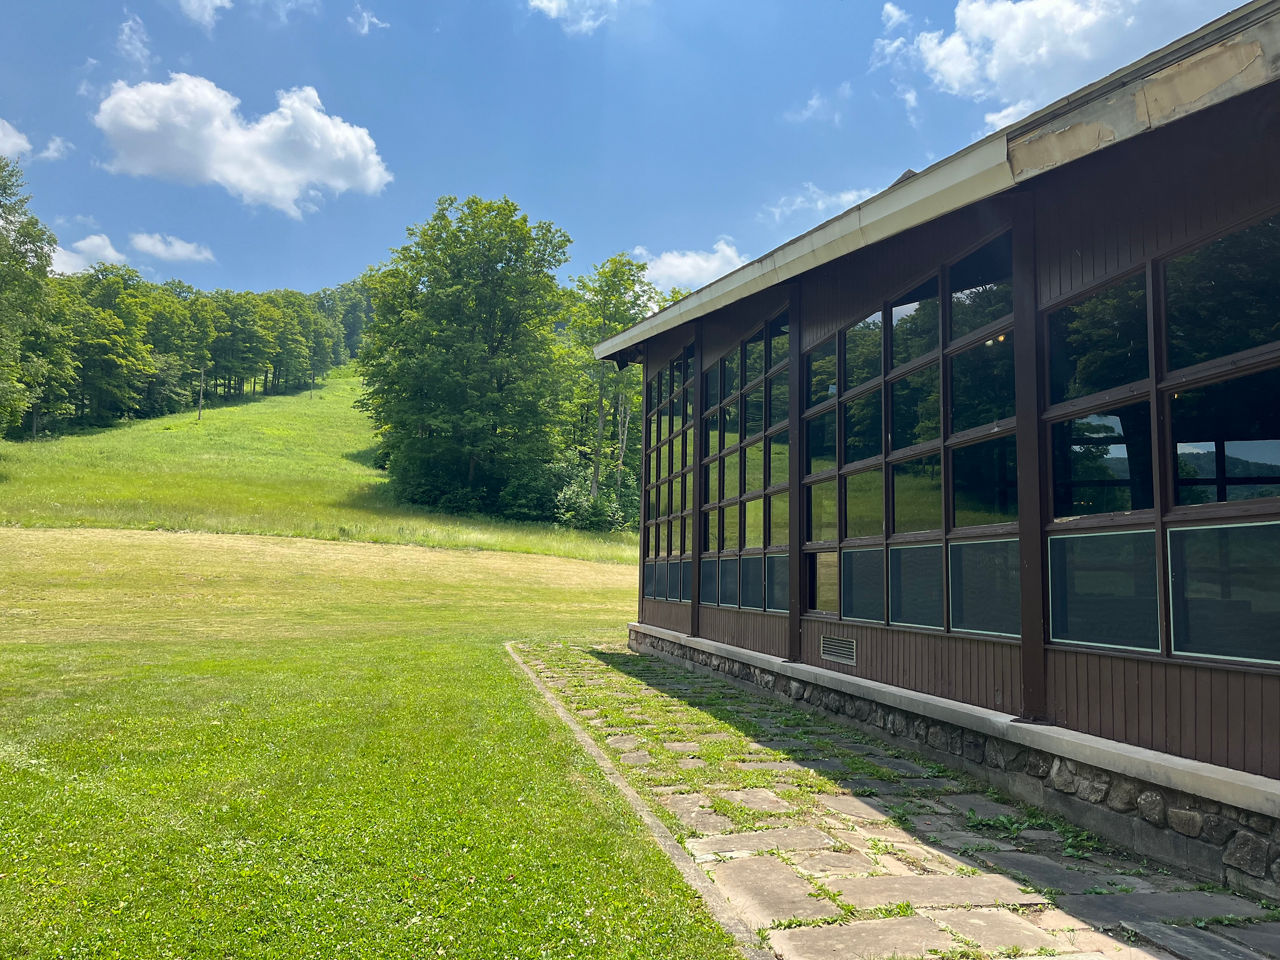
(1219, 843)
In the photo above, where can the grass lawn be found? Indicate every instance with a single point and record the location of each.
(298, 466)
(217, 746)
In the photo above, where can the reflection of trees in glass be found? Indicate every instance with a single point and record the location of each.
(1100, 342)
(976, 307)
(863, 347)
(1228, 436)
(779, 458)
(862, 428)
(820, 372)
(779, 339)
(821, 447)
(864, 504)
(1087, 478)
(822, 511)
(917, 495)
(985, 482)
(915, 322)
(916, 414)
(982, 384)
(753, 352)
(1225, 296)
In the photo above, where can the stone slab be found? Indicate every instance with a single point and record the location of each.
(932, 891)
(824, 766)
(782, 744)
(758, 841)
(764, 890)
(636, 758)
(898, 937)
(1043, 872)
(929, 783)
(1262, 937)
(682, 746)
(995, 929)
(898, 765)
(627, 741)
(1107, 910)
(690, 763)
(983, 807)
(861, 784)
(964, 840)
(768, 765)
(829, 863)
(859, 808)
(758, 798)
(694, 812)
(1190, 942)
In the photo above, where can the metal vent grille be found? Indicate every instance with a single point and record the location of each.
(840, 649)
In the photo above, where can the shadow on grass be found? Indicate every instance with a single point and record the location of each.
(368, 457)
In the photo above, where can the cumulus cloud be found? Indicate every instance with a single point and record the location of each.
(204, 12)
(577, 16)
(12, 141)
(892, 15)
(170, 248)
(133, 43)
(813, 200)
(691, 268)
(55, 149)
(85, 253)
(189, 130)
(362, 21)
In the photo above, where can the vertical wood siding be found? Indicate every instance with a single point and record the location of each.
(747, 629)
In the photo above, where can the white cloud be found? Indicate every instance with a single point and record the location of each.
(56, 149)
(282, 8)
(812, 199)
(170, 248)
(133, 44)
(12, 142)
(911, 100)
(691, 268)
(190, 131)
(892, 15)
(820, 107)
(362, 21)
(204, 12)
(1002, 118)
(577, 16)
(85, 253)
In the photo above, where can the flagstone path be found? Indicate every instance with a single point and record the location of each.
(833, 846)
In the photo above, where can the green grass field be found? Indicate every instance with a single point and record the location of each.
(226, 746)
(298, 466)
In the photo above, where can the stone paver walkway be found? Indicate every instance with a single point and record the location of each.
(832, 845)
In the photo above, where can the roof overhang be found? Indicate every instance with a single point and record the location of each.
(1229, 56)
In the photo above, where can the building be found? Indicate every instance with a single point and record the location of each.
(1002, 444)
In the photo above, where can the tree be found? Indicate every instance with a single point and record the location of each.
(459, 359)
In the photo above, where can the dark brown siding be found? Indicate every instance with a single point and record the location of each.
(761, 632)
(667, 614)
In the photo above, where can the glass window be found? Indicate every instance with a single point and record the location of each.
(709, 592)
(820, 451)
(1100, 342)
(917, 494)
(729, 372)
(664, 385)
(982, 287)
(777, 580)
(779, 458)
(779, 406)
(754, 456)
(753, 412)
(753, 532)
(982, 383)
(864, 504)
(779, 520)
(862, 428)
(661, 530)
(824, 582)
(821, 514)
(1227, 438)
(677, 375)
(662, 425)
(660, 580)
(711, 433)
(1224, 591)
(649, 574)
(751, 577)
(862, 584)
(915, 322)
(685, 545)
(728, 581)
(732, 475)
(712, 384)
(916, 408)
(686, 580)
(915, 585)
(985, 587)
(1102, 589)
(779, 339)
(713, 481)
(673, 580)
(729, 414)
(1102, 463)
(1224, 296)
(753, 358)
(711, 531)
(730, 536)
(984, 480)
(820, 373)
(863, 347)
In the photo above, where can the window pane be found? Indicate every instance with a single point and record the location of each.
(753, 358)
(917, 495)
(753, 533)
(862, 584)
(982, 384)
(1224, 587)
(728, 581)
(677, 375)
(685, 545)
(711, 431)
(729, 414)
(754, 412)
(673, 580)
(711, 531)
(649, 574)
(686, 580)
(915, 322)
(779, 520)
(710, 592)
(821, 517)
(664, 385)
(777, 582)
(820, 373)
(984, 479)
(729, 366)
(1102, 589)
(916, 414)
(755, 466)
(713, 481)
(1102, 463)
(1099, 343)
(712, 384)
(660, 580)
(751, 575)
(863, 346)
(779, 458)
(820, 451)
(779, 339)
(824, 582)
(686, 449)
(864, 504)
(1225, 296)
(1228, 440)
(779, 406)
(982, 287)
(985, 590)
(730, 536)
(915, 586)
(862, 428)
(732, 475)
(661, 530)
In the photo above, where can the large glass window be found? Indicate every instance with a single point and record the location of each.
(820, 451)
(710, 585)
(917, 495)
(862, 428)
(982, 287)
(822, 517)
(915, 585)
(863, 347)
(754, 457)
(779, 458)
(864, 504)
(820, 374)
(728, 581)
(824, 583)
(777, 583)
(779, 519)
(862, 584)
(982, 383)
(916, 408)
(751, 577)
(1102, 589)
(915, 322)
(985, 588)
(984, 479)
(1102, 462)
(1100, 342)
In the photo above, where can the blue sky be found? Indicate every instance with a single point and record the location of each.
(254, 144)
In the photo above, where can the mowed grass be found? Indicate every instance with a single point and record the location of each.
(223, 747)
(297, 466)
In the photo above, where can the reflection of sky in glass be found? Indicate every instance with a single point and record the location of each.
(1257, 451)
(1115, 451)
(905, 310)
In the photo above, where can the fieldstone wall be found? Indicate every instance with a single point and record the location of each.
(1219, 843)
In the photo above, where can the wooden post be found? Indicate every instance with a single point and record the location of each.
(797, 600)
